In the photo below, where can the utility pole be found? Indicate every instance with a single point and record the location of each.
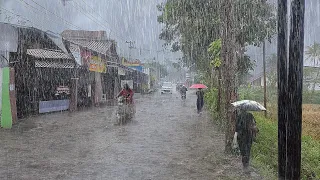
(131, 46)
(295, 81)
(282, 64)
(264, 76)
(290, 75)
(158, 65)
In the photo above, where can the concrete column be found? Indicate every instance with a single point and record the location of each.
(74, 95)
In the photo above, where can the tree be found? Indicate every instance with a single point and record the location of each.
(192, 25)
(313, 54)
(228, 58)
(214, 51)
(272, 70)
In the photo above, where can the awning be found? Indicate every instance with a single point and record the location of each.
(47, 54)
(51, 58)
(53, 64)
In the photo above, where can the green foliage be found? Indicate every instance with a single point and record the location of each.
(256, 20)
(244, 65)
(265, 150)
(211, 98)
(191, 25)
(214, 51)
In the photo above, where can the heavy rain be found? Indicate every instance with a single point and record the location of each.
(160, 89)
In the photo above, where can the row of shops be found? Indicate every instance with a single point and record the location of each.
(46, 72)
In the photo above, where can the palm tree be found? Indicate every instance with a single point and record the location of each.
(313, 54)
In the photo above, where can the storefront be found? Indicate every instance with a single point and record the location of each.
(53, 71)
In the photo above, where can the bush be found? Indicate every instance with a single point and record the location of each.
(211, 103)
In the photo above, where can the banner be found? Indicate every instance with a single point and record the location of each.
(138, 68)
(52, 106)
(131, 63)
(96, 64)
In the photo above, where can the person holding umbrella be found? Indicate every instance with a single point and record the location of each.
(200, 95)
(200, 101)
(246, 128)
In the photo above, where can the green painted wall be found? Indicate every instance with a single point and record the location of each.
(6, 115)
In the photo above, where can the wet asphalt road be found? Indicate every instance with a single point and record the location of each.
(166, 140)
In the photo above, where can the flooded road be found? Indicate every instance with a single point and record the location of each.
(166, 140)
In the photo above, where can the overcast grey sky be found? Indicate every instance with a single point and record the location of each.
(124, 20)
(312, 34)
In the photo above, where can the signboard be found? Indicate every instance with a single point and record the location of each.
(52, 106)
(129, 82)
(121, 71)
(97, 64)
(138, 68)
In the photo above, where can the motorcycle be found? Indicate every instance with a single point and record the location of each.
(183, 96)
(125, 110)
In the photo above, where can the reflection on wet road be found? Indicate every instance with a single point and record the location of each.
(166, 140)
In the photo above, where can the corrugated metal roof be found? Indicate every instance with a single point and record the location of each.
(54, 64)
(47, 54)
(82, 34)
(101, 47)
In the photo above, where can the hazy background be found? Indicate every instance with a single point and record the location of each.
(126, 20)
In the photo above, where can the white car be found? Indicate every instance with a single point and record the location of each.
(166, 88)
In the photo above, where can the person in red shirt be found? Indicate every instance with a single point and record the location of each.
(126, 92)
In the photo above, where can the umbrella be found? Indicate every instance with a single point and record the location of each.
(197, 86)
(248, 105)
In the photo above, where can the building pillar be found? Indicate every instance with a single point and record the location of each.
(8, 109)
(74, 95)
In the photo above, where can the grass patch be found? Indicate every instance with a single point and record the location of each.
(310, 108)
(265, 150)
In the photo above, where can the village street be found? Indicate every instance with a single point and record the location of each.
(166, 140)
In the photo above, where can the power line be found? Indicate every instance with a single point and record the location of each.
(77, 27)
(120, 37)
(27, 5)
(52, 13)
(83, 12)
(17, 15)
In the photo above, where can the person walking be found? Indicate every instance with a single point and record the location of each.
(200, 102)
(245, 134)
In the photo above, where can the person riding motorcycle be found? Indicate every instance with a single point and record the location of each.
(183, 91)
(127, 94)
